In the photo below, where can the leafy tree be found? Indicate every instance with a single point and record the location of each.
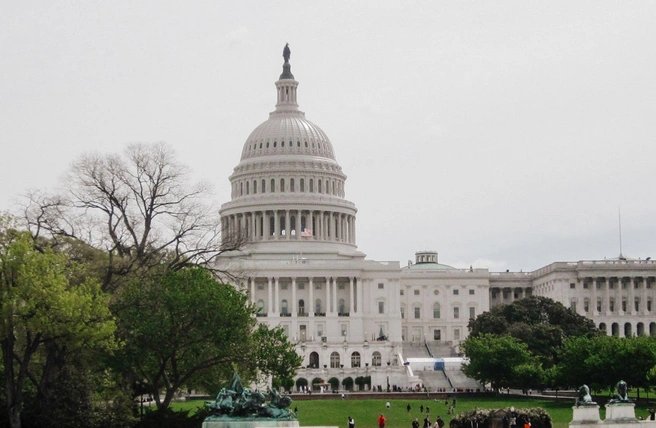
(529, 376)
(539, 322)
(604, 360)
(44, 306)
(347, 382)
(178, 326)
(301, 381)
(492, 359)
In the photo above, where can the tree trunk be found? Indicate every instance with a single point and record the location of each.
(13, 391)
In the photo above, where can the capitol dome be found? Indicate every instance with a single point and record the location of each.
(288, 188)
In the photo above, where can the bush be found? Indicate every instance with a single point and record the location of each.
(334, 383)
(348, 383)
(301, 381)
(171, 419)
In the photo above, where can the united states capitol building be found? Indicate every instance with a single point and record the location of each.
(350, 316)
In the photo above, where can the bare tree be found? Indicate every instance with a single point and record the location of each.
(140, 207)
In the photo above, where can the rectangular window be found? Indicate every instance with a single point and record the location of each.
(402, 312)
(417, 312)
(472, 313)
(341, 286)
(317, 286)
(437, 334)
(381, 307)
(471, 292)
(381, 286)
(260, 286)
(283, 286)
(320, 330)
(572, 285)
(456, 334)
(456, 292)
(598, 305)
(456, 312)
(585, 285)
(586, 306)
(401, 292)
(416, 292)
(301, 286)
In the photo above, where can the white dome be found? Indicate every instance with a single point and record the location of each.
(288, 133)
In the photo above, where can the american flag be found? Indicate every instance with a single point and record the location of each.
(306, 232)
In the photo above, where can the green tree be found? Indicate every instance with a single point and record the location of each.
(539, 322)
(604, 360)
(44, 306)
(179, 326)
(492, 359)
(347, 382)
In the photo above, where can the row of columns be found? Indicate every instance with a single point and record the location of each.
(285, 225)
(618, 294)
(355, 295)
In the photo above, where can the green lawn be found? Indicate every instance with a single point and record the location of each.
(365, 412)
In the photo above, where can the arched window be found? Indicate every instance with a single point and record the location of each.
(254, 187)
(640, 329)
(317, 307)
(273, 186)
(284, 307)
(376, 360)
(311, 185)
(436, 310)
(260, 306)
(652, 329)
(282, 184)
(263, 186)
(355, 359)
(318, 186)
(615, 329)
(602, 327)
(291, 185)
(272, 225)
(241, 189)
(301, 307)
(302, 185)
(628, 330)
(248, 187)
(314, 360)
(334, 360)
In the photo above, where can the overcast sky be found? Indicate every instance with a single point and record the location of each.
(502, 134)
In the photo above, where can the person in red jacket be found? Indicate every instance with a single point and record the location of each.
(381, 421)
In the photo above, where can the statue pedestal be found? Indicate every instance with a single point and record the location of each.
(254, 423)
(620, 413)
(585, 415)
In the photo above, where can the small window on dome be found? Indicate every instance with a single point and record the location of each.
(298, 144)
(291, 144)
(275, 143)
(267, 145)
(260, 145)
(306, 144)
(283, 144)
(313, 144)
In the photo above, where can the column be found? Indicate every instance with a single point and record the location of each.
(606, 303)
(334, 289)
(351, 302)
(311, 305)
(270, 298)
(338, 227)
(327, 296)
(299, 215)
(252, 290)
(267, 226)
(643, 300)
(359, 292)
(276, 225)
(294, 303)
(631, 302)
(593, 299)
(288, 223)
(276, 304)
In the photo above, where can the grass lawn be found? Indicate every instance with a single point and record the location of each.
(366, 412)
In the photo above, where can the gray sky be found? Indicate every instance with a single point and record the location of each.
(502, 134)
